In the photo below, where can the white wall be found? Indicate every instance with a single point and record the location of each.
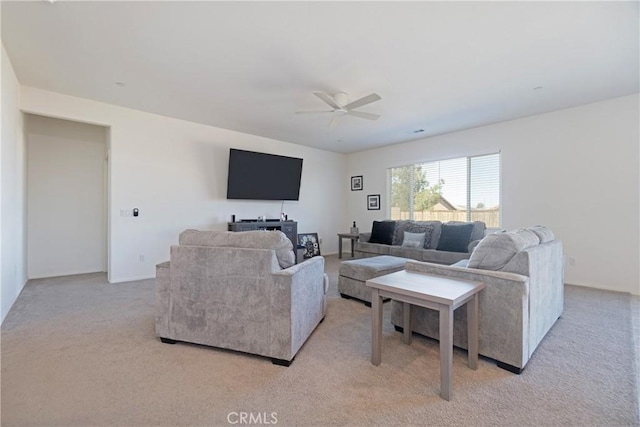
(175, 173)
(12, 191)
(575, 170)
(568, 169)
(66, 214)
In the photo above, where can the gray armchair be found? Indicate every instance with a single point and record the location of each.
(240, 291)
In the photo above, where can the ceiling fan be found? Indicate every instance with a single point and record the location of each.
(342, 107)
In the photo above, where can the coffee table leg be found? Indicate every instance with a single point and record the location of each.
(376, 327)
(406, 322)
(446, 350)
(353, 254)
(339, 247)
(472, 329)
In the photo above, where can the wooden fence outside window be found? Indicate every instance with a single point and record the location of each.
(491, 217)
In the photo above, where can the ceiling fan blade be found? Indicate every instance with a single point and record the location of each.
(326, 98)
(333, 122)
(363, 101)
(314, 112)
(362, 115)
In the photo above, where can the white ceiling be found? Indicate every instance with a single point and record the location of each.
(248, 66)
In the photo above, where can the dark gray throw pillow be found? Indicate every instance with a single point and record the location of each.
(382, 232)
(455, 237)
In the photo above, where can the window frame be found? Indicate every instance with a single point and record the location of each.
(468, 158)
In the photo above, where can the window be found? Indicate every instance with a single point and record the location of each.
(462, 189)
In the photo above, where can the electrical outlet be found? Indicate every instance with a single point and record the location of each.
(141, 257)
(320, 240)
(572, 261)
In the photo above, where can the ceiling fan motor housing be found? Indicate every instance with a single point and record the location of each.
(341, 99)
(339, 102)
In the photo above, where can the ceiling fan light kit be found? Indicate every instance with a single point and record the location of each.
(339, 98)
(341, 106)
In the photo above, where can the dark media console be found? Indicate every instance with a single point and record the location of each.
(289, 228)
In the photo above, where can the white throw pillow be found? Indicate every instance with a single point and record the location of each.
(413, 240)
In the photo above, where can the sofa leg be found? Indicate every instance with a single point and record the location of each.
(345, 296)
(399, 328)
(509, 368)
(281, 362)
(167, 340)
(321, 320)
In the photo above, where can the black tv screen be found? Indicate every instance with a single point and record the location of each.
(261, 176)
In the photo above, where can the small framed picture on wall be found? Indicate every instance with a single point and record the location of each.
(356, 183)
(373, 202)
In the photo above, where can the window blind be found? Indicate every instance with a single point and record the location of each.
(460, 189)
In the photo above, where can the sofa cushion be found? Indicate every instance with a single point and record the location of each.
(455, 237)
(472, 245)
(479, 229)
(259, 239)
(462, 263)
(413, 240)
(544, 233)
(382, 232)
(496, 250)
(411, 227)
(427, 227)
(436, 230)
(368, 268)
(398, 232)
(405, 252)
(372, 248)
(442, 257)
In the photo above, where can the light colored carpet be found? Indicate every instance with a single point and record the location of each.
(78, 351)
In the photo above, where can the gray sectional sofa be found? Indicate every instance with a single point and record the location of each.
(433, 249)
(523, 271)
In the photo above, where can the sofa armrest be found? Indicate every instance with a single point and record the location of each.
(163, 283)
(299, 278)
(466, 273)
(501, 289)
(306, 266)
(503, 309)
(297, 304)
(364, 237)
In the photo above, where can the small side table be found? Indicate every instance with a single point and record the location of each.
(438, 293)
(353, 237)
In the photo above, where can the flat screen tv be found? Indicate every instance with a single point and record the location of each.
(261, 176)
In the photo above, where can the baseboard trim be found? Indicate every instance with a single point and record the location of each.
(56, 275)
(132, 279)
(598, 287)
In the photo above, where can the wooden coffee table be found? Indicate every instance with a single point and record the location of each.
(438, 293)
